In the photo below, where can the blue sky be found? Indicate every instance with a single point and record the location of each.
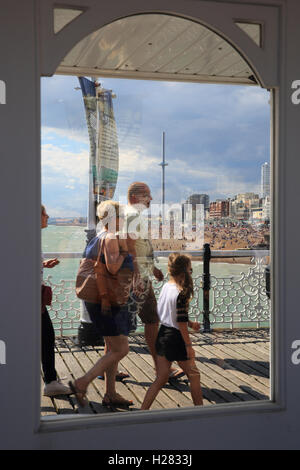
(217, 137)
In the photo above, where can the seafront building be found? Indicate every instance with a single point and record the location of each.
(193, 201)
(219, 209)
(265, 180)
(243, 204)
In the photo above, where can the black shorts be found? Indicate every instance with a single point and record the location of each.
(170, 344)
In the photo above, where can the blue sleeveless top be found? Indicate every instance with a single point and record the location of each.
(91, 252)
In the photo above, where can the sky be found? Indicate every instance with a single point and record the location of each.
(216, 139)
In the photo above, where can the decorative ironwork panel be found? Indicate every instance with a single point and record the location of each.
(239, 300)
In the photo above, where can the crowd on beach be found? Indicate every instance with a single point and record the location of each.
(220, 236)
(236, 235)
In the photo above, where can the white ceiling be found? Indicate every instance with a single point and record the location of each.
(159, 47)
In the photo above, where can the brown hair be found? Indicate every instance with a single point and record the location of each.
(178, 266)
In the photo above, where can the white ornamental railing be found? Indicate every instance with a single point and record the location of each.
(230, 301)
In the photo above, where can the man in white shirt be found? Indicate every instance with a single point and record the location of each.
(139, 245)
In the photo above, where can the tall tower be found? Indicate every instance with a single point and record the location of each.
(265, 180)
(163, 164)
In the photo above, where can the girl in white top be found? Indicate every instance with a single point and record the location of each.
(173, 341)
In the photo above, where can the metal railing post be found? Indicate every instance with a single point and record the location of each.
(206, 287)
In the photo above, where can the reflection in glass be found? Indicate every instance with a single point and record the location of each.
(217, 142)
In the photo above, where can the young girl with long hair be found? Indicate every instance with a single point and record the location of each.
(173, 341)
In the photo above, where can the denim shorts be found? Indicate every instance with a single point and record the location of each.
(116, 323)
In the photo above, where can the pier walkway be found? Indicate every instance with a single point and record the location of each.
(234, 368)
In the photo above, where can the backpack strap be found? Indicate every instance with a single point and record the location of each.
(101, 249)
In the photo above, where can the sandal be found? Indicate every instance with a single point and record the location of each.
(118, 401)
(119, 376)
(79, 394)
(176, 374)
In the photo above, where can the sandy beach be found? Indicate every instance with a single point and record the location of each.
(233, 237)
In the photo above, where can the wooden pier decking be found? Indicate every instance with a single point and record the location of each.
(234, 367)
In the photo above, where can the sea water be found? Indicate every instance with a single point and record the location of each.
(59, 238)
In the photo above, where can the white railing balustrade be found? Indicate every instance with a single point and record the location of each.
(234, 301)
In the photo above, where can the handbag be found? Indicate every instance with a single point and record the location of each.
(86, 287)
(95, 284)
(46, 296)
(114, 289)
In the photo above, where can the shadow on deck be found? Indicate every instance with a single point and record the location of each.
(234, 367)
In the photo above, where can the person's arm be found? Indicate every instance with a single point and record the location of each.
(113, 258)
(132, 251)
(158, 274)
(183, 322)
(194, 325)
(50, 263)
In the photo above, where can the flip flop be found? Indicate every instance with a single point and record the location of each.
(119, 377)
(79, 394)
(176, 374)
(119, 401)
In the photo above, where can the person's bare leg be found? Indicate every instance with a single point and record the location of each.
(162, 371)
(110, 373)
(119, 349)
(193, 374)
(151, 331)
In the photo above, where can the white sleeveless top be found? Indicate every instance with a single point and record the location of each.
(169, 310)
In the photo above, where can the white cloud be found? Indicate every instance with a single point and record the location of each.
(75, 135)
(58, 164)
(229, 184)
(135, 160)
(251, 97)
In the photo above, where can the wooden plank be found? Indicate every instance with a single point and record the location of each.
(121, 387)
(138, 383)
(254, 354)
(173, 394)
(233, 365)
(224, 379)
(76, 371)
(210, 393)
(233, 351)
(225, 371)
(241, 370)
(262, 347)
(47, 405)
(93, 394)
(63, 404)
(165, 396)
(238, 353)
